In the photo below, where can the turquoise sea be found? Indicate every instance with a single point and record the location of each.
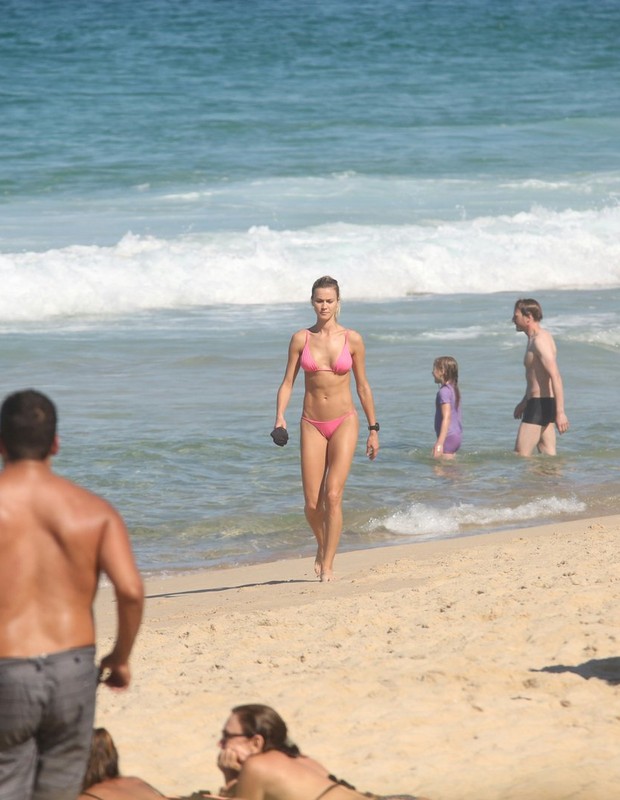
(174, 176)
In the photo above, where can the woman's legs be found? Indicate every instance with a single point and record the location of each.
(313, 469)
(325, 467)
(340, 454)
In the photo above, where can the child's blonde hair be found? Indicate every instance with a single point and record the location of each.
(449, 371)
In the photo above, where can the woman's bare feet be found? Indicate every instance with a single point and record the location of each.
(318, 563)
(327, 576)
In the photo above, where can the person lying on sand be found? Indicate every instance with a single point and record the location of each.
(259, 762)
(103, 780)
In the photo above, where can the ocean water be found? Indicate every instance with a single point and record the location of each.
(173, 177)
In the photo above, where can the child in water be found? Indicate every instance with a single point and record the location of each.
(448, 426)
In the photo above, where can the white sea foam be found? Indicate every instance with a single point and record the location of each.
(423, 521)
(608, 339)
(456, 334)
(540, 250)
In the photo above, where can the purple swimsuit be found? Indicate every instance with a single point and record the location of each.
(455, 430)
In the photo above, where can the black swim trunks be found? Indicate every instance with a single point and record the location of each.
(540, 411)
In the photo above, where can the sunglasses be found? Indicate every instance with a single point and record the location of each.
(226, 735)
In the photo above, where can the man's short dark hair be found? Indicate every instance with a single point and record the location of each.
(27, 425)
(529, 308)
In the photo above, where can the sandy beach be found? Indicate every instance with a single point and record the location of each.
(483, 668)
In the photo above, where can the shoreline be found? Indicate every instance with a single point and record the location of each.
(293, 554)
(478, 667)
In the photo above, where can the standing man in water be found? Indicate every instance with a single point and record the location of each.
(55, 540)
(542, 405)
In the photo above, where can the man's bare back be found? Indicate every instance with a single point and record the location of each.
(56, 538)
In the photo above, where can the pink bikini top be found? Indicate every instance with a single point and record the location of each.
(343, 363)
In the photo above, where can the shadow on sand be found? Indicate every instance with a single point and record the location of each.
(228, 588)
(605, 669)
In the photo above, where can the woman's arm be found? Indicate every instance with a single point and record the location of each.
(230, 767)
(364, 392)
(251, 783)
(292, 368)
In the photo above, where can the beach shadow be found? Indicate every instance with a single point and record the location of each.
(228, 588)
(605, 669)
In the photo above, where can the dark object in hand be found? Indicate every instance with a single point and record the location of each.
(279, 436)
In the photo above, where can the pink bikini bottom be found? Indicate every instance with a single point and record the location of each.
(329, 427)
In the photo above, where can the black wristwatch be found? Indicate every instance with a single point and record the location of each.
(375, 427)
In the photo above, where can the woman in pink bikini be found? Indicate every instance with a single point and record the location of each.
(327, 353)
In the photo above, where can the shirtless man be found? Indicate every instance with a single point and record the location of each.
(543, 402)
(55, 540)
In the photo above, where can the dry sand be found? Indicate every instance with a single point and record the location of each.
(486, 667)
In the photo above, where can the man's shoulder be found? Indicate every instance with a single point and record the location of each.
(543, 341)
(68, 496)
(60, 483)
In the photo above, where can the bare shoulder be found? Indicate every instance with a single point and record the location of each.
(300, 335)
(543, 343)
(70, 490)
(36, 487)
(75, 509)
(123, 786)
(298, 340)
(262, 764)
(355, 338)
(313, 765)
(356, 342)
